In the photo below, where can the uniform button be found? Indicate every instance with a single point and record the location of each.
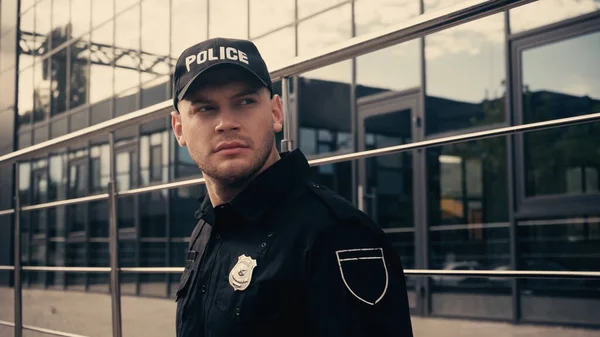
(203, 289)
(218, 236)
(264, 244)
(316, 186)
(270, 234)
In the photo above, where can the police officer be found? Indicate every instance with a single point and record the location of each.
(272, 254)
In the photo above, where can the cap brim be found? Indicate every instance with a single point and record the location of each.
(184, 90)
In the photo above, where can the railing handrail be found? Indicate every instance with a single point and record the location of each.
(413, 28)
(416, 272)
(344, 157)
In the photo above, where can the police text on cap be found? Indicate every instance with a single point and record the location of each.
(229, 53)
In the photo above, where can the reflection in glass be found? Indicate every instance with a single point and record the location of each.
(308, 7)
(154, 157)
(26, 57)
(39, 178)
(324, 111)
(571, 244)
(153, 216)
(155, 40)
(99, 257)
(26, 94)
(43, 16)
(469, 229)
(571, 165)
(394, 68)
(227, 23)
(277, 47)
(472, 55)
(540, 13)
(99, 168)
(8, 50)
(187, 16)
(41, 98)
(57, 188)
(58, 85)
(102, 11)
(79, 54)
(152, 254)
(60, 20)
(325, 29)
(81, 17)
(101, 73)
(127, 45)
(267, 15)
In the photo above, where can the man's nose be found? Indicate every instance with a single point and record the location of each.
(227, 121)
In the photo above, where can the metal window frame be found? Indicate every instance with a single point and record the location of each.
(555, 205)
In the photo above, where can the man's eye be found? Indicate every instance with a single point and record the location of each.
(202, 108)
(247, 101)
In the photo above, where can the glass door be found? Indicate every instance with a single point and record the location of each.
(388, 184)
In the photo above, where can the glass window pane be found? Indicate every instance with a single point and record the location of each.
(81, 17)
(225, 22)
(325, 29)
(155, 39)
(8, 50)
(266, 15)
(571, 164)
(124, 4)
(277, 48)
(127, 45)
(373, 15)
(153, 215)
(187, 16)
(472, 55)
(563, 244)
(102, 11)
(27, 40)
(26, 94)
(308, 7)
(469, 229)
(540, 13)
(60, 22)
(43, 15)
(42, 91)
(394, 68)
(58, 68)
(79, 54)
(101, 73)
(26, 4)
(57, 189)
(8, 15)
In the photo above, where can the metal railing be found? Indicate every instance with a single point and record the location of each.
(417, 27)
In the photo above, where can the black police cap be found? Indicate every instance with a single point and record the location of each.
(207, 54)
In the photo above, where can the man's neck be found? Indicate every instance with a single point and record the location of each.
(223, 192)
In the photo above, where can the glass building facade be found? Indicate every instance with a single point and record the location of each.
(529, 201)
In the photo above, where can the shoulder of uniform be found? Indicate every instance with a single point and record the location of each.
(341, 209)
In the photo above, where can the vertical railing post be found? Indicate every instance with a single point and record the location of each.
(115, 289)
(287, 144)
(18, 305)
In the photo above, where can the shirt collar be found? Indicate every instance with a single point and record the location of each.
(266, 189)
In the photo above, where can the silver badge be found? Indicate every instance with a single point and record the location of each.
(241, 274)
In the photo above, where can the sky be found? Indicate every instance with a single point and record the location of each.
(465, 62)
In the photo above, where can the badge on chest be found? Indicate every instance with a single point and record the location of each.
(241, 274)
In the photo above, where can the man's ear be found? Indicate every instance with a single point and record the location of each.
(177, 128)
(277, 112)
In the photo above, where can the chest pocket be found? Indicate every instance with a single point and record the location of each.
(240, 304)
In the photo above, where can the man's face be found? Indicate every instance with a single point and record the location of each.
(228, 123)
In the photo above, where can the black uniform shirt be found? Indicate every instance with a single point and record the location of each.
(288, 257)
